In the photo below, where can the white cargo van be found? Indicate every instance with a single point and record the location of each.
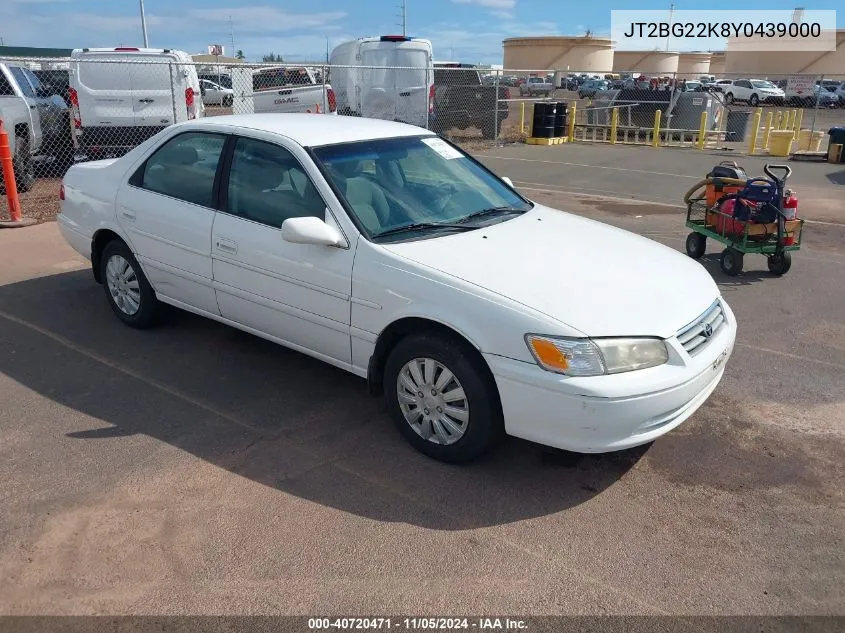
(122, 96)
(388, 77)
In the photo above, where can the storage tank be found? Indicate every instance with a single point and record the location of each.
(693, 65)
(717, 63)
(775, 64)
(647, 62)
(565, 53)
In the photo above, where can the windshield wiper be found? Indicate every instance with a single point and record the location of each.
(489, 212)
(423, 225)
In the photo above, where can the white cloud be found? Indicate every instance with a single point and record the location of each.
(265, 19)
(490, 4)
(504, 15)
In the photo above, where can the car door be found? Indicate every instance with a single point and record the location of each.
(32, 101)
(166, 209)
(299, 294)
(158, 93)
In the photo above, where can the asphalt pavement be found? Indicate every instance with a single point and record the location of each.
(195, 469)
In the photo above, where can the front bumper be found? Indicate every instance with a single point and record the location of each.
(609, 413)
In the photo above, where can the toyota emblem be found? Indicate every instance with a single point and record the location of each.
(708, 330)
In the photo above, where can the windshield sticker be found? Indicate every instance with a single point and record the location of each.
(443, 148)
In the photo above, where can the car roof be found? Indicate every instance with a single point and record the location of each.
(315, 130)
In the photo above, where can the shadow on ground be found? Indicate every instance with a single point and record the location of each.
(269, 414)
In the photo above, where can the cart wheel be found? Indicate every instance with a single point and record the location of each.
(780, 263)
(731, 262)
(696, 245)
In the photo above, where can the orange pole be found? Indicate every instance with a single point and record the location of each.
(9, 176)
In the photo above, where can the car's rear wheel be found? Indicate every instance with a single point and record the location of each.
(729, 97)
(227, 101)
(754, 100)
(129, 294)
(441, 397)
(22, 165)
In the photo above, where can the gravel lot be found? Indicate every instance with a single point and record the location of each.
(194, 469)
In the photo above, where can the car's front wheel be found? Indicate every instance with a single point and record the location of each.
(129, 294)
(754, 100)
(729, 98)
(442, 398)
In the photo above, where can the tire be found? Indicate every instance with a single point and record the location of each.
(119, 289)
(729, 97)
(780, 263)
(754, 101)
(459, 440)
(731, 262)
(696, 245)
(228, 100)
(22, 165)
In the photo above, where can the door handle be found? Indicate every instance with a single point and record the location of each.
(33, 107)
(227, 246)
(146, 100)
(126, 213)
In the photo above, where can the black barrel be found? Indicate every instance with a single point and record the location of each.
(543, 124)
(560, 120)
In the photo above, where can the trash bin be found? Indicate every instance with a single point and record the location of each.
(543, 124)
(837, 135)
(780, 142)
(737, 125)
(809, 142)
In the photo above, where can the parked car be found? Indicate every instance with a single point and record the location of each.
(590, 87)
(215, 94)
(388, 252)
(284, 89)
(221, 79)
(808, 98)
(692, 85)
(535, 86)
(387, 77)
(753, 91)
(44, 132)
(461, 101)
(122, 96)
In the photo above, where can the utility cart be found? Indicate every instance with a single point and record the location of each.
(747, 215)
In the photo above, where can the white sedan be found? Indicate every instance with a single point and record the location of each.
(384, 250)
(215, 94)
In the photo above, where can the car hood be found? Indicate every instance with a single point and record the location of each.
(596, 278)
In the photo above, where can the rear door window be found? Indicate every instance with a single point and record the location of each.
(23, 82)
(184, 168)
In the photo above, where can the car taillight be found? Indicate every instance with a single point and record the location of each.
(431, 99)
(332, 100)
(61, 191)
(74, 107)
(189, 102)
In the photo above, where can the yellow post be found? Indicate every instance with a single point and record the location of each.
(522, 118)
(702, 130)
(790, 119)
(755, 130)
(794, 121)
(571, 114)
(767, 130)
(779, 120)
(655, 139)
(799, 116)
(614, 122)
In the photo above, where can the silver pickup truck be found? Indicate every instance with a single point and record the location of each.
(536, 86)
(283, 89)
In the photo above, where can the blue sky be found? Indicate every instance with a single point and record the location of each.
(466, 30)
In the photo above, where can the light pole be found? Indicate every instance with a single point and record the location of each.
(144, 25)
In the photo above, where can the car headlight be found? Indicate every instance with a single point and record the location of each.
(595, 357)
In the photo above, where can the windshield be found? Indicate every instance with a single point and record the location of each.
(397, 182)
(763, 84)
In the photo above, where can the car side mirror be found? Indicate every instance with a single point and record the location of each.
(311, 230)
(508, 182)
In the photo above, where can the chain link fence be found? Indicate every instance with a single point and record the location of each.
(58, 112)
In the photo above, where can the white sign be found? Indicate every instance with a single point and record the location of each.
(801, 84)
(216, 49)
(442, 147)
